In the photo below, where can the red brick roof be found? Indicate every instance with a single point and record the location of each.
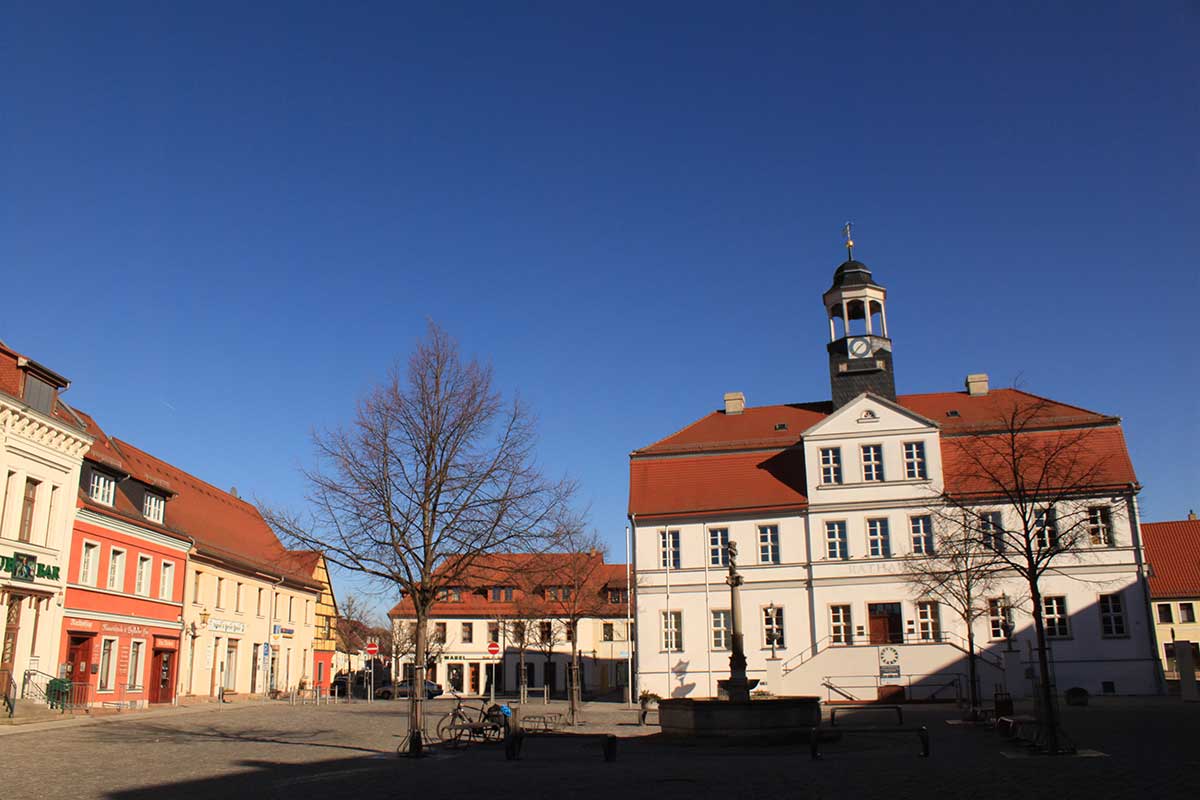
(12, 382)
(1173, 550)
(527, 574)
(725, 463)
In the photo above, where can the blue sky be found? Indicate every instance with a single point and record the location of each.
(224, 223)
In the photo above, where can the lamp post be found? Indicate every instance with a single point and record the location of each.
(771, 632)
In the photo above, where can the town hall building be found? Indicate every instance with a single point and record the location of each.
(832, 505)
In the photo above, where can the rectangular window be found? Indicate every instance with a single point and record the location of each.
(914, 461)
(668, 549)
(116, 570)
(773, 627)
(152, 507)
(196, 587)
(872, 462)
(616, 596)
(468, 632)
(439, 632)
(606, 632)
(1165, 617)
(840, 631)
(291, 609)
(672, 631)
(998, 614)
(166, 581)
(922, 534)
(258, 604)
(546, 632)
(494, 632)
(136, 656)
(102, 488)
(929, 624)
(836, 545)
(1112, 616)
(718, 541)
(1187, 613)
(1100, 526)
(220, 592)
(1045, 529)
(721, 626)
(25, 531)
(831, 465)
(107, 673)
(1054, 615)
(502, 594)
(88, 563)
(878, 539)
(237, 598)
(768, 544)
(991, 529)
(141, 584)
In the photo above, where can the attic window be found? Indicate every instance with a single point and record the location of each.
(952, 412)
(781, 426)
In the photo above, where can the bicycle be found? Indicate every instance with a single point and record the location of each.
(467, 723)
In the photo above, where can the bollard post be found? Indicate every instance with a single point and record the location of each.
(610, 748)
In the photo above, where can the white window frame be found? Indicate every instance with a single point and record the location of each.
(137, 665)
(998, 614)
(1045, 528)
(837, 540)
(166, 580)
(872, 463)
(153, 506)
(718, 539)
(991, 530)
(220, 600)
(197, 586)
(466, 633)
(879, 538)
(144, 576)
(929, 621)
(1190, 616)
(920, 528)
(831, 466)
(115, 581)
(89, 568)
(672, 631)
(773, 623)
(721, 620)
(915, 468)
(102, 488)
(237, 597)
(670, 554)
(1113, 624)
(1056, 617)
(1100, 529)
(106, 678)
(258, 604)
(768, 544)
(841, 625)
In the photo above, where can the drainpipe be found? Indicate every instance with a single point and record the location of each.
(271, 633)
(1144, 581)
(187, 568)
(636, 653)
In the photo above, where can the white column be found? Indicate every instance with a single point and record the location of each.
(14, 498)
(832, 330)
(846, 318)
(883, 318)
(867, 310)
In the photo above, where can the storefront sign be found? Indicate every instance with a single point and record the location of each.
(226, 626)
(25, 567)
(286, 633)
(165, 643)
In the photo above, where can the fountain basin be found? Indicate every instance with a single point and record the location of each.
(774, 718)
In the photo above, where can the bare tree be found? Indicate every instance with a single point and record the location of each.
(1040, 477)
(435, 471)
(959, 574)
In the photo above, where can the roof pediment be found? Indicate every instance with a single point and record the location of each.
(869, 414)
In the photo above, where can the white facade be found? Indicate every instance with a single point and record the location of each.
(852, 626)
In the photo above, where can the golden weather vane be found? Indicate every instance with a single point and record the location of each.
(849, 241)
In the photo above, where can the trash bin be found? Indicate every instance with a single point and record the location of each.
(58, 690)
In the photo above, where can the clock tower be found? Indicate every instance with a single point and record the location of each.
(860, 352)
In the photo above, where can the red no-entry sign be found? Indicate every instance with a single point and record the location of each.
(372, 648)
(493, 648)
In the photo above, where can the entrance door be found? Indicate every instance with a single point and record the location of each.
(454, 676)
(8, 645)
(162, 689)
(550, 678)
(473, 685)
(884, 623)
(79, 654)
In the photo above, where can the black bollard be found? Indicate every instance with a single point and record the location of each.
(610, 747)
(512, 745)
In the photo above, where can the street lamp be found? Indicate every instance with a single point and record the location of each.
(771, 631)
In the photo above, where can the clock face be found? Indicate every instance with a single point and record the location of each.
(889, 656)
(859, 347)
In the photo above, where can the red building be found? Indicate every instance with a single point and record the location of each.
(122, 620)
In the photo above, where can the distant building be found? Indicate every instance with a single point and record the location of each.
(828, 501)
(1173, 550)
(519, 604)
(325, 634)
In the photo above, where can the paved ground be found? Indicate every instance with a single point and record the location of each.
(276, 750)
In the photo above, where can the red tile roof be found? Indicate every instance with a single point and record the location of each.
(725, 463)
(12, 382)
(1173, 550)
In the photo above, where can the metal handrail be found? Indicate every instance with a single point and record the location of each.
(30, 681)
(805, 655)
(873, 681)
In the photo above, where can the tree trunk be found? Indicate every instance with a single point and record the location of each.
(972, 672)
(573, 687)
(1049, 720)
(416, 688)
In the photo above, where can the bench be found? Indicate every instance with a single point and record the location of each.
(922, 733)
(542, 722)
(515, 740)
(1011, 726)
(865, 707)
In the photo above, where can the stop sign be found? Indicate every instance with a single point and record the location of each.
(372, 648)
(493, 648)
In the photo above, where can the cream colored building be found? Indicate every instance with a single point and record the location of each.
(1173, 550)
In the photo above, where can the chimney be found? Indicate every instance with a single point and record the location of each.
(735, 402)
(977, 384)
(233, 491)
(1191, 514)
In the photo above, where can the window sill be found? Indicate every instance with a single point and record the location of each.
(865, 484)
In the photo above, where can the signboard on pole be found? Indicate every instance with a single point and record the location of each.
(372, 648)
(493, 648)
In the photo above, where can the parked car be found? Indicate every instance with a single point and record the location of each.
(403, 688)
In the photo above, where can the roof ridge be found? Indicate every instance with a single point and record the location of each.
(221, 493)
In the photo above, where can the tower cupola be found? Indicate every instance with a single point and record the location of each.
(860, 351)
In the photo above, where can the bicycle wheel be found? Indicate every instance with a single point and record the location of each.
(449, 730)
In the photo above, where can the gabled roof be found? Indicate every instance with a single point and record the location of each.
(1173, 550)
(716, 483)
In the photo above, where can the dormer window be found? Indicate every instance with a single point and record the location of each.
(102, 489)
(39, 395)
(152, 507)
(502, 594)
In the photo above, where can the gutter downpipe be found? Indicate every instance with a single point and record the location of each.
(187, 568)
(1136, 528)
(628, 616)
(635, 685)
(705, 540)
